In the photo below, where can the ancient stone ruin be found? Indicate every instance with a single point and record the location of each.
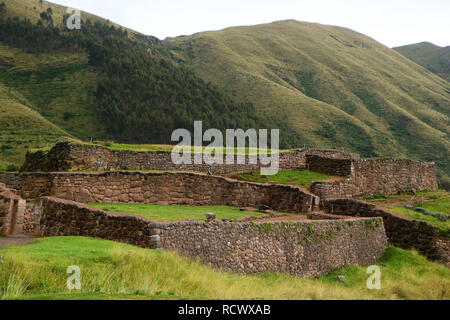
(330, 228)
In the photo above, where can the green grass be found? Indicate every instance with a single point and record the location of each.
(168, 213)
(23, 129)
(434, 201)
(418, 198)
(443, 226)
(289, 177)
(118, 271)
(441, 205)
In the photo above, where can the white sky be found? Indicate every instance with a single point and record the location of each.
(391, 22)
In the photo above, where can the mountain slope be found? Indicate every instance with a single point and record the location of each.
(105, 81)
(434, 58)
(337, 87)
(322, 86)
(23, 129)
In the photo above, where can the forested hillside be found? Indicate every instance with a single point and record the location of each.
(102, 82)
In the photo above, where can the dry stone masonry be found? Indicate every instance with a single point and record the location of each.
(12, 212)
(76, 157)
(167, 188)
(371, 176)
(401, 231)
(307, 249)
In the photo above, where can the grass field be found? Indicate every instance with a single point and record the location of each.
(434, 201)
(163, 213)
(289, 177)
(117, 271)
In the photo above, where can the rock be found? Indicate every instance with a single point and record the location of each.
(420, 210)
(442, 217)
(410, 207)
(263, 208)
(342, 278)
(210, 216)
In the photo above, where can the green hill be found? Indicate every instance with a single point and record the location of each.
(323, 86)
(23, 129)
(338, 88)
(434, 58)
(105, 81)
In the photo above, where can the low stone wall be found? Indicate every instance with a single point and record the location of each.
(58, 217)
(390, 176)
(75, 157)
(332, 166)
(161, 188)
(29, 220)
(344, 188)
(371, 176)
(305, 249)
(401, 231)
(12, 211)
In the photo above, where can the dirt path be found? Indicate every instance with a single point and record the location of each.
(15, 240)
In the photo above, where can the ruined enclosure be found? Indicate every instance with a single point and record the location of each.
(330, 230)
(12, 213)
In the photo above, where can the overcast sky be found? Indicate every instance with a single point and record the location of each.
(391, 22)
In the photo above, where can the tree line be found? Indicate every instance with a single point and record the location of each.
(141, 98)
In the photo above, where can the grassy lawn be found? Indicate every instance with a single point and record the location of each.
(290, 177)
(112, 270)
(444, 226)
(418, 199)
(441, 205)
(434, 201)
(170, 213)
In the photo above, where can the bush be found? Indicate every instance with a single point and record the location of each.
(12, 168)
(67, 115)
(5, 147)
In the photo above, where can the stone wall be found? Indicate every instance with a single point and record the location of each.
(332, 166)
(29, 220)
(371, 176)
(401, 231)
(12, 212)
(305, 249)
(160, 188)
(390, 176)
(75, 157)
